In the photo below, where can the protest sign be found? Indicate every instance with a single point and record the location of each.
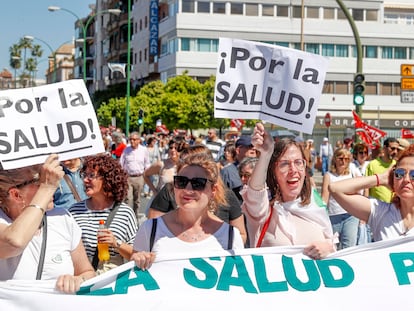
(54, 118)
(268, 82)
(375, 276)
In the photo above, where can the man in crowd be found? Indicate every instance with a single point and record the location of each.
(379, 165)
(326, 153)
(71, 188)
(214, 143)
(134, 160)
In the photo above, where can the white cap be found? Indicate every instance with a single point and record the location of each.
(325, 139)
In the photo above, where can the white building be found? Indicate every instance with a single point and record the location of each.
(188, 32)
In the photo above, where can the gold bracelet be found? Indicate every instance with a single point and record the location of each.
(38, 207)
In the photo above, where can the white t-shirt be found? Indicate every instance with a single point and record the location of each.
(63, 236)
(166, 242)
(333, 207)
(385, 221)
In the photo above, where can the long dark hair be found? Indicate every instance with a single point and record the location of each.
(280, 148)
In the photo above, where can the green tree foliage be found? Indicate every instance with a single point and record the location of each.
(181, 103)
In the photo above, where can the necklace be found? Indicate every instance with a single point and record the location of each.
(194, 237)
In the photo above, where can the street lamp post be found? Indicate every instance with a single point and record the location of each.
(53, 55)
(357, 43)
(84, 27)
(128, 86)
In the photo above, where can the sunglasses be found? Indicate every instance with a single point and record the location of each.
(197, 183)
(399, 173)
(362, 152)
(28, 182)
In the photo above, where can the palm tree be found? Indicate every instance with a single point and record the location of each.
(28, 65)
(15, 60)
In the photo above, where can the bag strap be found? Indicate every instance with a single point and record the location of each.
(231, 236)
(95, 259)
(153, 230)
(72, 188)
(43, 249)
(264, 229)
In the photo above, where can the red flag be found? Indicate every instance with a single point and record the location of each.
(405, 133)
(368, 134)
(237, 123)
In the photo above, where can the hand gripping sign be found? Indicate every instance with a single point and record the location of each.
(55, 118)
(267, 82)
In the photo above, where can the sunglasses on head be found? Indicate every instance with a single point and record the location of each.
(197, 183)
(399, 173)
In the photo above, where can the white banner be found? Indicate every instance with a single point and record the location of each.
(54, 118)
(268, 82)
(376, 276)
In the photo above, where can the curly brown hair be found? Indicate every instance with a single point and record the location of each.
(280, 148)
(115, 179)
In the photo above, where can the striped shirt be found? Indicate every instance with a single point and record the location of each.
(124, 225)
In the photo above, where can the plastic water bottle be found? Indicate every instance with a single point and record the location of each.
(103, 248)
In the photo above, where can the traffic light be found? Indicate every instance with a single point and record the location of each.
(359, 88)
(140, 116)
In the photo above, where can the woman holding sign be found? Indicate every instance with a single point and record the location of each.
(34, 236)
(386, 220)
(277, 199)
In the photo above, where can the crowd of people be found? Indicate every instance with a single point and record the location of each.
(207, 193)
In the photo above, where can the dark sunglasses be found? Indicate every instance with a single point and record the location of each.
(197, 183)
(362, 152)
(399, 173)
(28, 182)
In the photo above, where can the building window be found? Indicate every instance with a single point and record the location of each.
(296, 11)
(214, 45)
(371, 51)
(236, 8)
(385, 89)
(312, 48)
(282, 11)
(341, 87)
(411, 53)
(285, 44)
(140, 24)
(341, 14)
(252, 9)
(387, 52)
(187, 6)
(185, 44)
(400, 53)
(371, 15)
(328, 13)
(358, 14)
(146, 22)
(371, 88)
(267, 10)
(312, 12)
(341, 50)
(203, 7)
(328, 87)
(328, 50)
(219, 8)
(140, 56)
(203, 45)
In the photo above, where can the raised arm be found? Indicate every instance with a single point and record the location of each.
(346, 193)
(264, 143)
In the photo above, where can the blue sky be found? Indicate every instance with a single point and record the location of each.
(31, 17)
